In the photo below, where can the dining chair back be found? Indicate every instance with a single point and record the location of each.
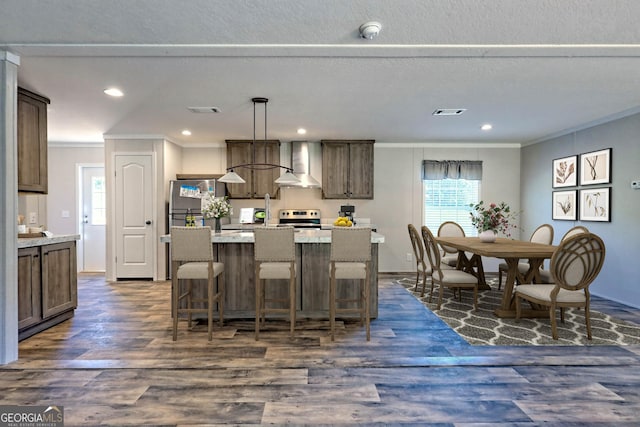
(574, 266)
(450, 278)
(543, 235)
(450, 229)
(275, 259)
(422, 269)
(545, 275)
(349, 261)
(192, 259)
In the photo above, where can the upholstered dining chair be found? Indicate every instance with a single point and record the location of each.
(275, 258)
(574, 266)
(192, 259)
(449, 278)
(545, 275)
(422, 269)
(450, 229)
(350, 258)
(543, 234)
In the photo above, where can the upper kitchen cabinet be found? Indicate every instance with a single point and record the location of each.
(32, 142)
(258, 181)
(347, 169)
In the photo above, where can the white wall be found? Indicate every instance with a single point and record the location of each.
(63, 184)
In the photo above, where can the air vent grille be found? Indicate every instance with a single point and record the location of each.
(449, 111)
(204, 109)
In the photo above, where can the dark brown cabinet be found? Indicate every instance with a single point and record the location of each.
(29, 288)
(32, 142)
(347, 169)
(259, 181)
(47, 286)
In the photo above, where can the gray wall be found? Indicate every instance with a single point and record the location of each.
(618, 279)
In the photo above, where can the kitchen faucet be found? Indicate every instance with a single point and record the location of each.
(267, 211)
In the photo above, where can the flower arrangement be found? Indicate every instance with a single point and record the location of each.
(495, 217)
(216, 207)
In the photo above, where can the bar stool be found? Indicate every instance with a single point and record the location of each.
(192, 258)
(350, 259)
(275, 258)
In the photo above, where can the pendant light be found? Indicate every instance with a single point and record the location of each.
(231, 177)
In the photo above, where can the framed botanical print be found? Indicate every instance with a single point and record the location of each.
(595, 204)
(595, 167)
(565, 205)
(565, 172)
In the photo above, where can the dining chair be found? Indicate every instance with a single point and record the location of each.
(350, 259)
(574, 266)
(545, 275)
(275, 259)
(450, 278)
(192, 259)
(450, 229)
(422, 269)
(544, 235)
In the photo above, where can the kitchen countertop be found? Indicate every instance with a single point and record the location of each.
(301, 236)
(30, 242)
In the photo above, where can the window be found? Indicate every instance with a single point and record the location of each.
(98, 201)
(449, 200)
(450, 186)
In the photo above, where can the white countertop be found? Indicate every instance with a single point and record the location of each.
(30, 242)
(301, 236)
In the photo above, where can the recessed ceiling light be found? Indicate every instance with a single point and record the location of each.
(302, 131)
(112, 91)
(186, 132)
(486, 126)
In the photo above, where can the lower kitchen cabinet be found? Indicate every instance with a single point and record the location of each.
(47, 286)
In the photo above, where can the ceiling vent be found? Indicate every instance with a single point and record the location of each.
(204, 109)
(449, 111)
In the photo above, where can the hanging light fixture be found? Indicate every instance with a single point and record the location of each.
(231, 177)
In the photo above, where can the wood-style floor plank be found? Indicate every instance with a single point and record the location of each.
(115, 363)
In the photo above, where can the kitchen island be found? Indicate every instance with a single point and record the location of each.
(234, 248)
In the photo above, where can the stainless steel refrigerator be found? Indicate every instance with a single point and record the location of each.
(186, 196)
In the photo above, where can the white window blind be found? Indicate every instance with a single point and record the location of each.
(449, 200)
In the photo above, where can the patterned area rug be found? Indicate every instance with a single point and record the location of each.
(482, 327)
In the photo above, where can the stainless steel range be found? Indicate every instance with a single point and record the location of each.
(300, 218)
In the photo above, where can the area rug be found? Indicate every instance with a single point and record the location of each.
(482, 327)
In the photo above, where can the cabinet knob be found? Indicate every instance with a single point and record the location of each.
(148, 222)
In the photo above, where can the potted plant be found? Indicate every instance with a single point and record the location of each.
(491, 219)
(216, 208)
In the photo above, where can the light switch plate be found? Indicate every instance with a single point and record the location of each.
(33, 218)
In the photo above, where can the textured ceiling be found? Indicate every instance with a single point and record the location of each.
(531, 68)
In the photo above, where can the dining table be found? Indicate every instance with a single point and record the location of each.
(512, 252)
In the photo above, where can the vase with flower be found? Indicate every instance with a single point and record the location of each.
(216, 208)
(491, 219)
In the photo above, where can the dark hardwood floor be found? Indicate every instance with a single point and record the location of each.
(114, 363)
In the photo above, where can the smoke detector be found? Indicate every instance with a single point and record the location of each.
(370, 30)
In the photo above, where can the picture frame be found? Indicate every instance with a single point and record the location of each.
(565, 205)
(595, 204)
(565, 172)
(595, 167)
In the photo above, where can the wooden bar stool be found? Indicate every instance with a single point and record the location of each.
(191, 259)
(275, 258)
(350, 259)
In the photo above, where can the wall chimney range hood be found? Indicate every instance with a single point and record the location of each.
(300, 163)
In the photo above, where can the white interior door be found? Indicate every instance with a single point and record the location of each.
(93, 219)
(133, 216)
